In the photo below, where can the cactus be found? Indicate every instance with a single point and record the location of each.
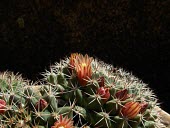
(103, 96)
(23, 106)
(78, 92)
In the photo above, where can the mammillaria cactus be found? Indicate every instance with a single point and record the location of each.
(78, 92)
(102, 95)
(23, 106)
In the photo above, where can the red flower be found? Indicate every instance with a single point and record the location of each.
(122, 94)
(130, 109)
(41, 104)
(83, 68)
(2, 106)
(63, 123)
(104, 93)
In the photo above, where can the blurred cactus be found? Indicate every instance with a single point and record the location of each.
(23, 106)
(78, 92)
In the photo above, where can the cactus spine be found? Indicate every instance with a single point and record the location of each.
(78, 92)
(106, 96)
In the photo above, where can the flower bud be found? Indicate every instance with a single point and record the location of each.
(41, 104)
(122, 94)
(2, 106)
(144, 106)
(130, 109)
(104, 93)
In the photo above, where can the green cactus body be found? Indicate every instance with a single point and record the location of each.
(78, 92)
(23, 106)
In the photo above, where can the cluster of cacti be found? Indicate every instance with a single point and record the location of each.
(24, 106)
(78, 92)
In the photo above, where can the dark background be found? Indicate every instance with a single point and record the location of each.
(132, 34)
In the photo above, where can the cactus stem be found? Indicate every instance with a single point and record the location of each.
(105, 117)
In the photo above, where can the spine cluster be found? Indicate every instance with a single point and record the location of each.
(78, 92)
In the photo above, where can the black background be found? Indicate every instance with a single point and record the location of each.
(34, 34)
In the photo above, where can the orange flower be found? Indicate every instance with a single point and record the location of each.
(63, 123)
(73, 57)
(131, 109)
(83, 68)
